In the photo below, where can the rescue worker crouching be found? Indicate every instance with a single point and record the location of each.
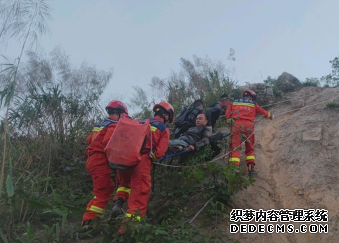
(97, 164)
(241, 113)
(135, 183)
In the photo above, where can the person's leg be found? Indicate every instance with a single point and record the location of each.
(177, 143)
(103, 186)
(141, 187)
(123, 180)
(235, 144)
(123, 191)
(249, 144)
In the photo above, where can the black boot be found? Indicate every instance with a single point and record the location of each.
(90, 228)
(87, 225)
(117, 208)
(251, 172)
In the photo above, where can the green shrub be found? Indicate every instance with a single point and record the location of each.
(311, 82)
(332, 104)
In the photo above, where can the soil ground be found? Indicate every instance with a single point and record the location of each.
(297, 164)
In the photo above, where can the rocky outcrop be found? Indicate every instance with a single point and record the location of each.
(264, 91)
(286, 82)
(314, 134)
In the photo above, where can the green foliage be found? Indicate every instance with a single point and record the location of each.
(197, 79)
(273, 83)
(313, 82)
(332, 79)
(332, 104)
(167, 231)
(197, 182)
(49, 123)
(140, 101)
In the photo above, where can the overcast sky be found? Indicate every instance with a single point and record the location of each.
(141, 39)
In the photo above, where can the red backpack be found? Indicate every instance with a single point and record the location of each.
(125, 145)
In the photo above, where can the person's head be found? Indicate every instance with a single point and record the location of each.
(164, 110)
(224, 101)
(201, 120)
(199, 104)
(249, 95)
(116, 108)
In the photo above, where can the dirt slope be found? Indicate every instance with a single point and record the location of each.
(295, 169)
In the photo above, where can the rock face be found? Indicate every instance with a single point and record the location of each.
(264, 91)
(314, 134)
(297, 165)
(287, 82)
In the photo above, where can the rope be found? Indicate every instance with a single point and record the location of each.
(220, 157)
(306, 106)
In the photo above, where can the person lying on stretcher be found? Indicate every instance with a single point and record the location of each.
(194, 137)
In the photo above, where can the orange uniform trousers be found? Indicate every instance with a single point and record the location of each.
(135, 184)
(241, 130)
(103, 185)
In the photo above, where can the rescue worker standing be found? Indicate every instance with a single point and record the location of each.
(241, 113)
(97, 163)
(135, 183)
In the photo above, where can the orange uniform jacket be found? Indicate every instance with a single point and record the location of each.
(100, 136)
(160, 138)
(245, 110)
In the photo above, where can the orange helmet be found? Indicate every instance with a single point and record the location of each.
(117, 105)
(168, 108)
(249, 92)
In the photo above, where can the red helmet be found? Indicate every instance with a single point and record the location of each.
(167, 107)
(250, 93)
(117, 105)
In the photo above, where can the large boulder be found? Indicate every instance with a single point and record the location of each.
(264, 91)
(287, 82)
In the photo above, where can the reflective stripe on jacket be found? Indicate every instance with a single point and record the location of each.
(242, 109)
(100, 135)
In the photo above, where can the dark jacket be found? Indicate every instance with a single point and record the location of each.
(213, 113)
(189, 121)
(197, 136)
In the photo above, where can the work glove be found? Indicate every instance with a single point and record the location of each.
(152, 156)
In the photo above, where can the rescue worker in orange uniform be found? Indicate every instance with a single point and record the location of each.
(241, 113)
(135, 183)
(97, 164)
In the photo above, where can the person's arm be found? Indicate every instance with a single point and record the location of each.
(162, 139)
(89, 138)
(109, 133)
(262, 111)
